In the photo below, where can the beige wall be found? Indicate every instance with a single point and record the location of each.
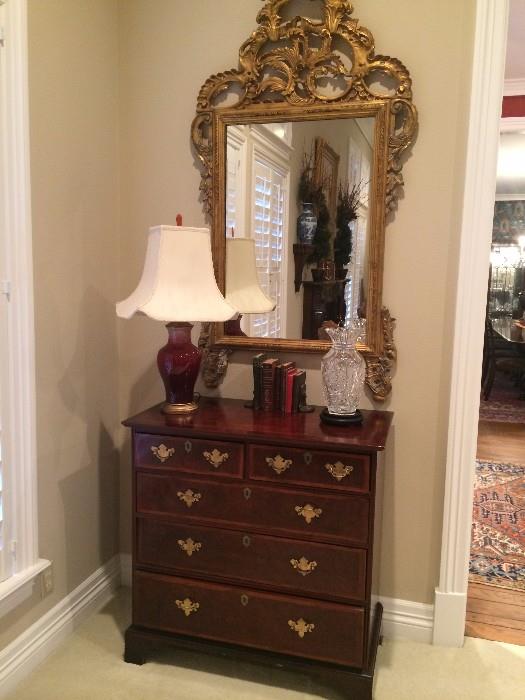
(73, 63)
(168, 49)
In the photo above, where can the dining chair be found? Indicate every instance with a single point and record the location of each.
(499, 356)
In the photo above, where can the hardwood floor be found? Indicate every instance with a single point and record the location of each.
(501, 442)
(493, 612)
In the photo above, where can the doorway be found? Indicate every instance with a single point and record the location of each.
(496, 590)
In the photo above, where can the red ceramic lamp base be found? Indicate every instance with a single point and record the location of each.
(179, 363)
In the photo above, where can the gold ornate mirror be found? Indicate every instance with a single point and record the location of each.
(311, 103)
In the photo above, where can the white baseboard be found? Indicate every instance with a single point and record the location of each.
(125, 569)
(28, 650)
(404, 619)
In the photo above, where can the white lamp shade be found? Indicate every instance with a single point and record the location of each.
(243, 291)
(178, 282)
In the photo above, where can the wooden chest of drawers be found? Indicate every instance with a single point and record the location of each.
(253, 534)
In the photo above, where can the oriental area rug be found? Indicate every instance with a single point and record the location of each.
(506, 403)
(497, 552)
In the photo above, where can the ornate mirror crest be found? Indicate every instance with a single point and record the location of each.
(293, 67)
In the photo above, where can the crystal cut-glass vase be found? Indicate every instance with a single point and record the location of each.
(343, 370)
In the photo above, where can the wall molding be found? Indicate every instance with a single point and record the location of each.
(27, 651)
(514, 87)
(405, 619)
(16, 274)
(476, 229)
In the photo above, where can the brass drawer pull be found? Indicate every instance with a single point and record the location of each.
(187, 606)
(189, 546)
(303, 566)
(189, 497)
(278, 464)
(308, 512)
(339, 470)
(216, 458)
(162, 453)
(301, 626)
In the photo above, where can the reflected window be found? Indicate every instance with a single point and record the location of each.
(270, 198)
(257, 206)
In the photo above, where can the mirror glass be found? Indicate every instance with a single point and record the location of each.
(301, 191)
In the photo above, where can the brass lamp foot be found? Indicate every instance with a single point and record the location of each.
(173, 409)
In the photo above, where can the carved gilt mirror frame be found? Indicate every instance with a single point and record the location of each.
(284, 67)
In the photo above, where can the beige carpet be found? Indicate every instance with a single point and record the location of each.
(89, 666)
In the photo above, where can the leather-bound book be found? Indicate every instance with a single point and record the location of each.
(257, 380)
(268, 379)
(286, 368)
(298, 390)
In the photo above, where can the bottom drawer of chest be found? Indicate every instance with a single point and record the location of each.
(311, 629)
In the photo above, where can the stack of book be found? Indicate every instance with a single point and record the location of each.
(277, 386)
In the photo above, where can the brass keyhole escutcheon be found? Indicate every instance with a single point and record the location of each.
(188, 446)
(162, 453)
(244, 599)
(247, 493)
(246, 541)
(307, 458)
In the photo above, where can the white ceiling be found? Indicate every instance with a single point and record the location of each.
(515, 66)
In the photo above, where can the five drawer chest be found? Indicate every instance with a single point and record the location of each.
(253, 536)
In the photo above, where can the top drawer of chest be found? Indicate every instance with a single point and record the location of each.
(332, 470)
(189, 454)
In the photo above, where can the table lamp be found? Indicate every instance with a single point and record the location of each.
(177, 284)
(243, 291)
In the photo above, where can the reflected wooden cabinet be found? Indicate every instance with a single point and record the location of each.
(254, 537)
(322, 301)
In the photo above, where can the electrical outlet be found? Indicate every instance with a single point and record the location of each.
(47, 581)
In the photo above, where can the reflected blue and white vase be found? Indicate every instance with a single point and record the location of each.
(306, 224)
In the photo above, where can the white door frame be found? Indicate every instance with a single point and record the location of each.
(478, 209)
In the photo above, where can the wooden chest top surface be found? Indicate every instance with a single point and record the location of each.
(229, 419)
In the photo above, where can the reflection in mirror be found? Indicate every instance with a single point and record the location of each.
(300, 190)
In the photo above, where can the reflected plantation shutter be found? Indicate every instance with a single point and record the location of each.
(268, 228)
